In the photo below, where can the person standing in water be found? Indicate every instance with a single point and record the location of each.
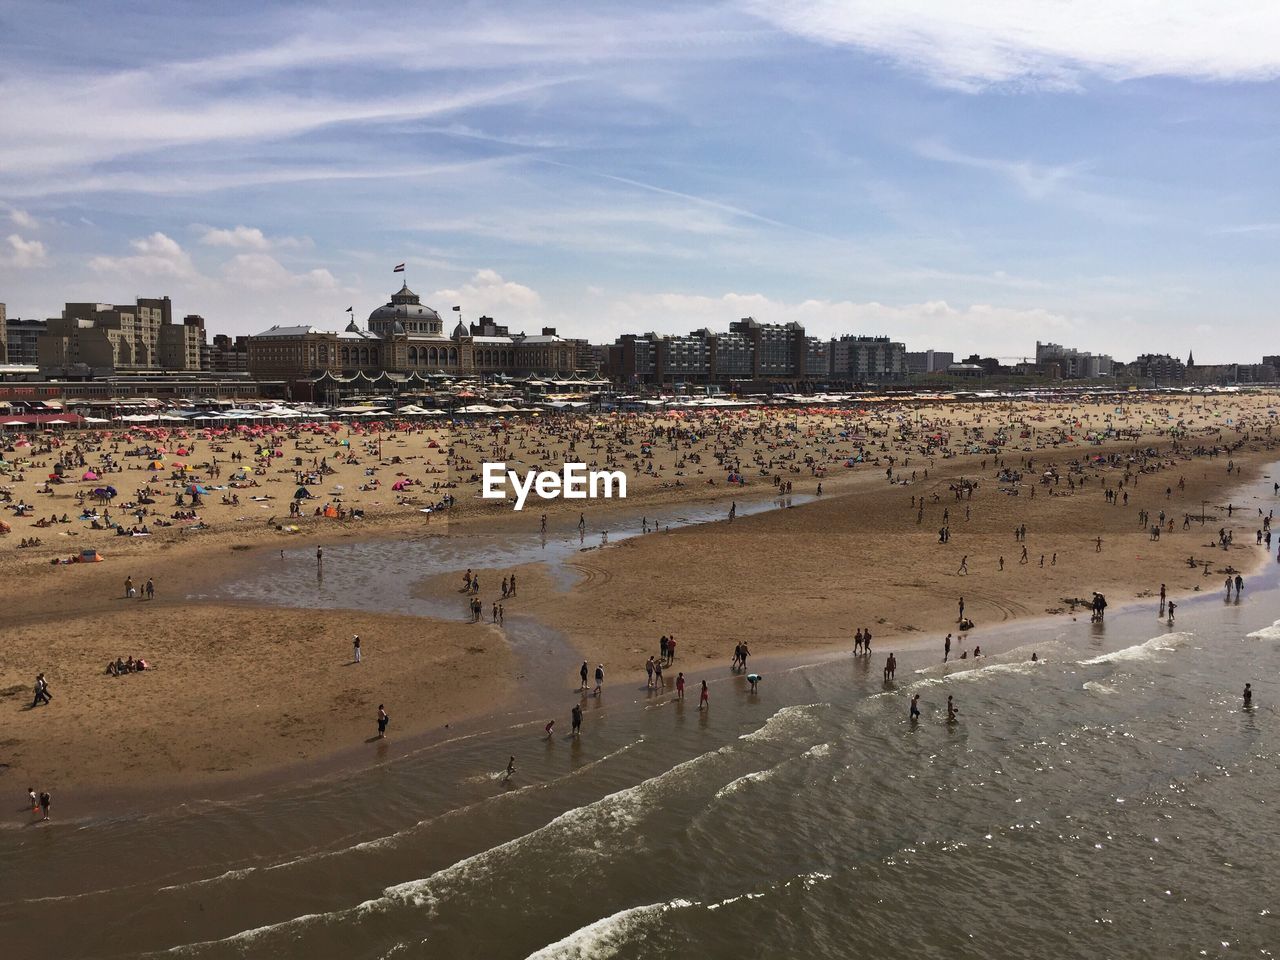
(704, 699)
(45, 801)
(1162, 599)
(383, 720)
(585, 672)
(576, 715)
(599, 678)
(915, 707)
(946, 648)
(754, 680)
(1172, 606)
(1248, 695)
(680, 686)
(511, 769)
(952, 710)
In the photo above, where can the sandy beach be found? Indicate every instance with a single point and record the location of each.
(238, 689)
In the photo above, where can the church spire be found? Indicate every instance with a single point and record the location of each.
(1191, 359)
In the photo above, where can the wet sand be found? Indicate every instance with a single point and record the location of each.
(242, 689)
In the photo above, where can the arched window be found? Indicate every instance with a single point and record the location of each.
(364, 356)
(413, 355)
(375, 356)
(346, 356)
(435, 357)
(453, 356)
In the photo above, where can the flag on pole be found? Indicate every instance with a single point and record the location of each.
(350, 309)
(457, 309)
(399, 268)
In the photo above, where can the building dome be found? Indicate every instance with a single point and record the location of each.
(407, 309)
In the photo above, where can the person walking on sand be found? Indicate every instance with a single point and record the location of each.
(31, 797)
(575, 719)
(704, 699)
(680, 686)
(585, 672)
(128, 588)
(964, 566)
(151, 589)
(383, 720)
(42, 692)
(355, 648)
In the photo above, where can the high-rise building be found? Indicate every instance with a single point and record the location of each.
(4, 332)
(1074, 364)
(923, 362)
(101, 339)
(23, 336)
(867, 359)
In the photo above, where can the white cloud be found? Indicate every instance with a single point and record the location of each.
(972, 44)
(261, 271)
(23, 253)
(488, 293)
(23, 219)
(158, 255)
(247, 238)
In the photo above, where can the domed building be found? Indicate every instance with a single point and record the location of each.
(405, 337)
(405, 313)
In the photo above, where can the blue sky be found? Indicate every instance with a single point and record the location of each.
(959, 174)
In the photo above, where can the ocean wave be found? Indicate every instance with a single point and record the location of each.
(1093, 686)
(603, 817)
(1141, 651)
(784, 721)
(1267, 633)
(605, 937)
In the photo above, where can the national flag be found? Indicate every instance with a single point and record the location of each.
(399, 268)
(350, 309)
(457, 309)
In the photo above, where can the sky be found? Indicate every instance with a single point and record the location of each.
(966, 175)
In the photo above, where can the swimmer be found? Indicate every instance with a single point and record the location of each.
(511, 769)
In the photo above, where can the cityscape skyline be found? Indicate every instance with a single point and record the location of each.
(665, 169)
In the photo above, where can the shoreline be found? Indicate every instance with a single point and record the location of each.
(194, 566)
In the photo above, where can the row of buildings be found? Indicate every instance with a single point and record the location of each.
(755, 352)
(405, 340)
(102, 339)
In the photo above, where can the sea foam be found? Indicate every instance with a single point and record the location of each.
(1141, 651)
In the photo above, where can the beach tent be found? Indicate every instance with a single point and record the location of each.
(155, 465)
(89, 475)
(196, 488)
(302, 493)
(89, 556)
